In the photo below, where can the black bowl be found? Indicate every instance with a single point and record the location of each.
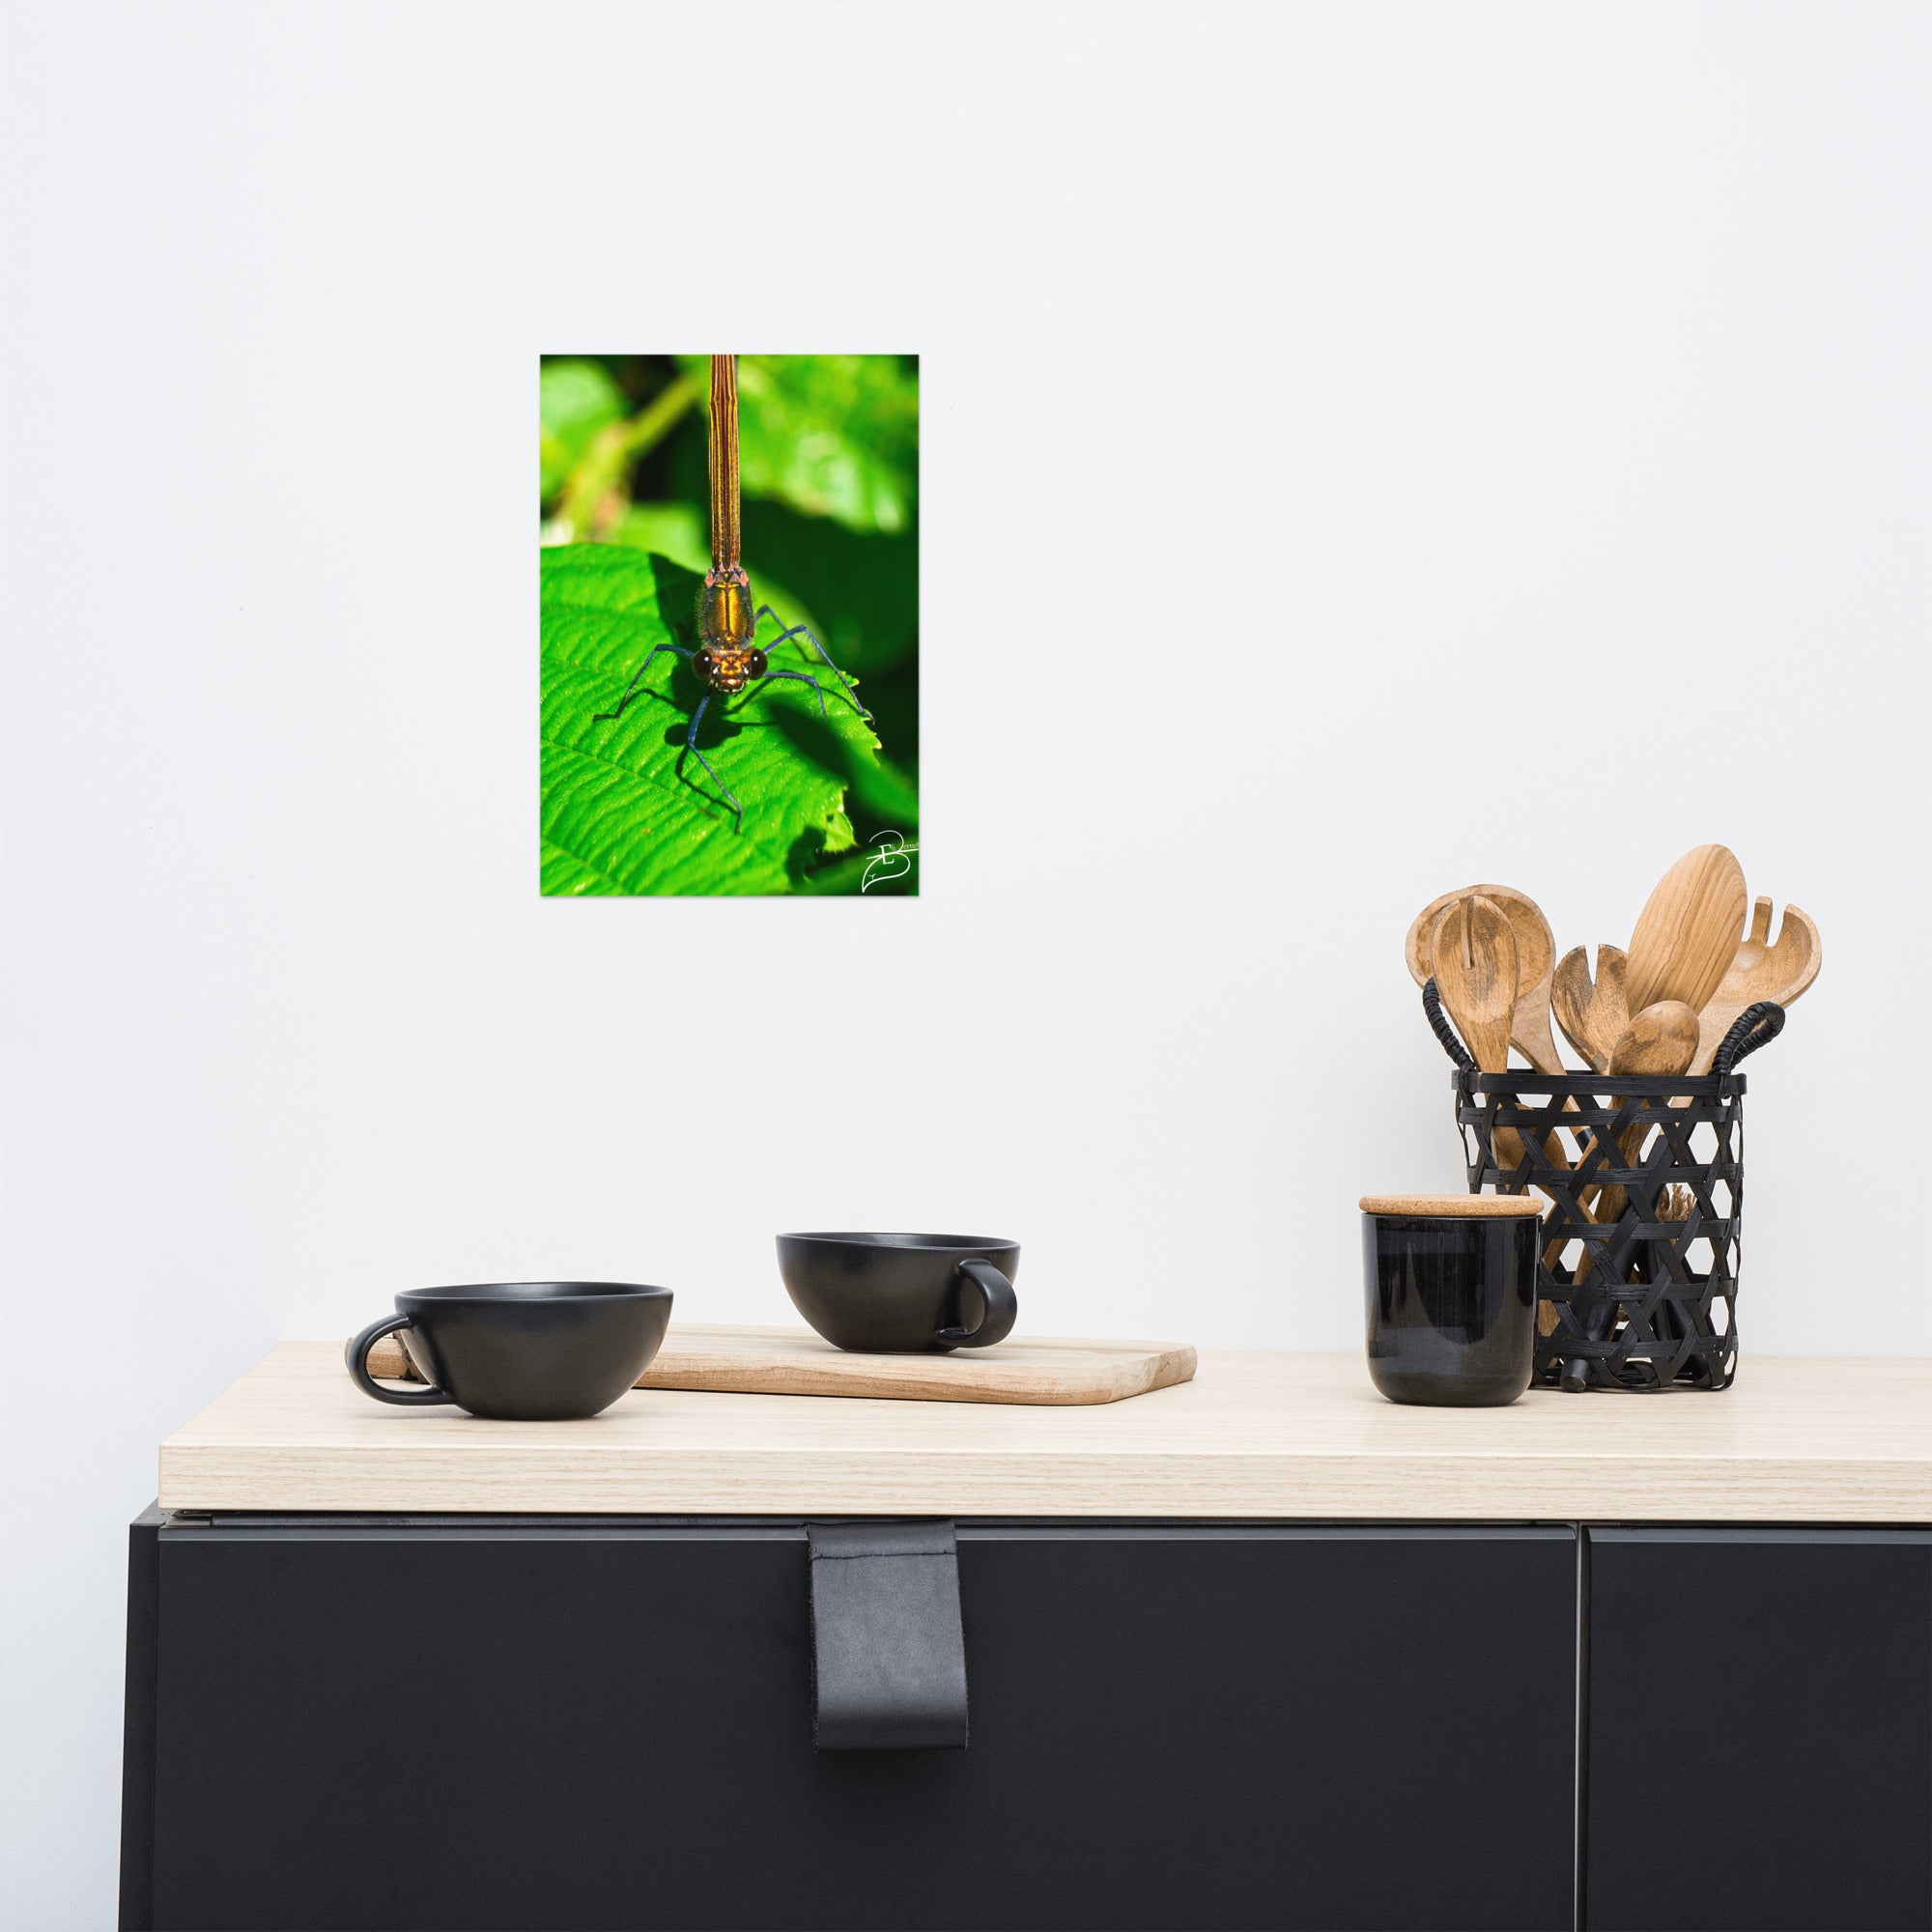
(522, 1350)
(892, 1294)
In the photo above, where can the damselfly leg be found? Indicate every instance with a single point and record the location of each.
(757, 669)
(676, 651)
(691, 746)
(806, 631)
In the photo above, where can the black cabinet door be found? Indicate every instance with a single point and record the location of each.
(1759, 1740)
(607, 1723)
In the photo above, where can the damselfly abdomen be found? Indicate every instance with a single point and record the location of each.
(727, 657)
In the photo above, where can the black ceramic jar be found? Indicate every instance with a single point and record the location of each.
(1450, 1281)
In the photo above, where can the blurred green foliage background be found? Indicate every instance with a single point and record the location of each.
(829, 465)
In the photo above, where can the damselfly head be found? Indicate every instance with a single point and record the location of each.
(728, 667)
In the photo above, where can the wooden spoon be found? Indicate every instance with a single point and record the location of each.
(1687, 933)
(1535, 961)
(1661, 1040)
(1593, 1017)
(1759, 971)
(1658, 1042)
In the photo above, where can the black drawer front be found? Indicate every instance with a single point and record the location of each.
(608, 1726)
(1759, 1730)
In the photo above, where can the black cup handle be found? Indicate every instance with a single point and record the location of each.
(357, 1355)
(1002, 1310)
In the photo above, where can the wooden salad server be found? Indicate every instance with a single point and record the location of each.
(1593, 1017)
(1472, 954)
(1759, 970)
(1687, 933)
(1535, 960)
(1471, 948)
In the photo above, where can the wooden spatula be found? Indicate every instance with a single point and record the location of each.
(1687, 933)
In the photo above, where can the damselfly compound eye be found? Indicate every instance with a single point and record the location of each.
(757, 662)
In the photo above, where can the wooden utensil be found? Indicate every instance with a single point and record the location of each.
(1472, 954)
(1471, 950)
(1529, 1015)
(1759, 970)
(1660, 1043)
(1687, 933)
(1661, 1040)
(1535, 961)
(1592, 1017)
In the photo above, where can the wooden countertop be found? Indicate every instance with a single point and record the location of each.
(1254, 1434)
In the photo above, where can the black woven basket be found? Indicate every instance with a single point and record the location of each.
(1642, 1301)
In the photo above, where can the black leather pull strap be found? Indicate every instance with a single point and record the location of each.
(889, 1658)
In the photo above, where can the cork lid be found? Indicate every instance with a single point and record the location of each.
(1462, 1207)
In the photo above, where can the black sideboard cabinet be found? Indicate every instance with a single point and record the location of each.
(1758, 1729)
(603, 1722)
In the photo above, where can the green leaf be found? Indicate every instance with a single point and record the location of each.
(878, 788)
(619, 816)
(833, 435)
(575, 400)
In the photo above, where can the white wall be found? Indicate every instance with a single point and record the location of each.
(1366, 449)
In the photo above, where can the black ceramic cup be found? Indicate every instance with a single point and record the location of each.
(521, 1350)
(1451, 1284)
(902, 1294)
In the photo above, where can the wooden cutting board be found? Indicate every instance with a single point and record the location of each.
(794, 1362)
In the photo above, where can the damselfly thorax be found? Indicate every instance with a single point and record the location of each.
(726, 658)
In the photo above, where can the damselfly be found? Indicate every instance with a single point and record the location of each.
(728, 657)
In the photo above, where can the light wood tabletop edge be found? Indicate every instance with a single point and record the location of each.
(1335, 1489)
(1252, 1436)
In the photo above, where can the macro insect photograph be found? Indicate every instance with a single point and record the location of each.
(729, 553)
